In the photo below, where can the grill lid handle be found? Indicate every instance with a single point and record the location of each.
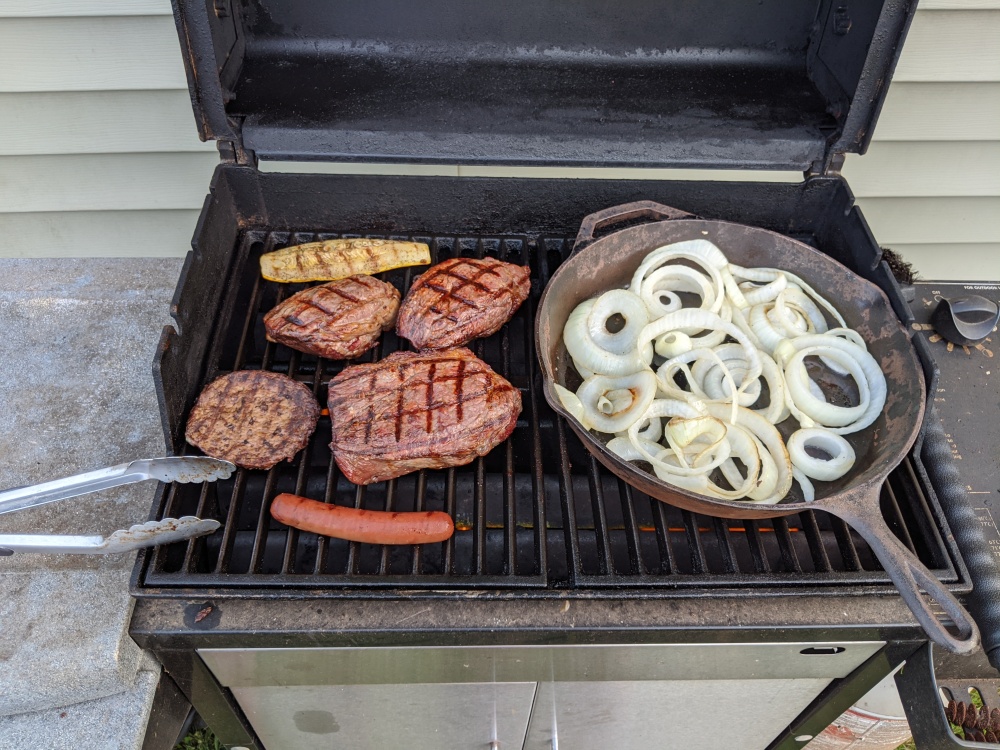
(625, 212)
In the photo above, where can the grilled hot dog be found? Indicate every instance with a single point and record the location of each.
(356, 525)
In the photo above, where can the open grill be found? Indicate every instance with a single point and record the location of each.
(538, 512)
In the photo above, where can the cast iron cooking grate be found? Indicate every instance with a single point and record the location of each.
(538, 512)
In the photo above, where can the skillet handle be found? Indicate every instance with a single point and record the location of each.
(624, 212)
(910, 575)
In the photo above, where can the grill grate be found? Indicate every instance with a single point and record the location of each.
(538, 512)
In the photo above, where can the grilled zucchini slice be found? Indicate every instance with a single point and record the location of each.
(338, 259)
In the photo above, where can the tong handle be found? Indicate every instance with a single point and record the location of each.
(169, 469)
(59, 489)
(147, 534)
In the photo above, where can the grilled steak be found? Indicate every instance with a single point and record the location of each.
(461, 299)
(252, 418)
(339, 320)
(418, 410)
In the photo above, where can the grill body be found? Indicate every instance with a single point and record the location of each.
(551, 550)
(565, 598)
(538, 512)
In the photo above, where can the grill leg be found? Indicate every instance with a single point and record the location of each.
(214, 703)
(842, 694)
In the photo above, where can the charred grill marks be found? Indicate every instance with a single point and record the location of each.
(459, 388)
(400, 400)
(429, 409)
(371, 407)
(253, 418)
(430, 397)
(344, 295)
(464, 281)
(422, 414)
(338, 320)
(461, 299)
(451, 295)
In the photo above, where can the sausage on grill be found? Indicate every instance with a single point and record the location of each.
(418, 410)
(360, 525)
(461, 299)
(339, 320)
(253, 418)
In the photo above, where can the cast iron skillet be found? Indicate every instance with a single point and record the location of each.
(607, 263)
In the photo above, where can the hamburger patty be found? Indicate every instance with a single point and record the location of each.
(418, 410)
(461, 299)
(339, 320)
(252, 418)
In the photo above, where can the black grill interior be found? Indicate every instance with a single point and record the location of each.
(538, 512)
(588, 83)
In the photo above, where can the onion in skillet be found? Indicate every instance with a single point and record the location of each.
(713, 336)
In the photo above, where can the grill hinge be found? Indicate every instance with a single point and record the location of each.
(233, 151)
(829, 166)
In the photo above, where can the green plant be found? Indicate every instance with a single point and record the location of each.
(200, 739)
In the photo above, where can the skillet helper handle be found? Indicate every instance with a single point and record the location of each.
(910, 575)
(624, 212)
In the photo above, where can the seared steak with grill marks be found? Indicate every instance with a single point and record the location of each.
(418, 410)
(461, 299)
(253, 418)
(339, 320)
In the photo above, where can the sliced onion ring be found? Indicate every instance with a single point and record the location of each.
(824, 470)
(701, 252)
(586, 352)
(613, 404)
(769, 436)
(617, 302)
(572, 403)
(871, 382)
(666, 281)
(808, 491)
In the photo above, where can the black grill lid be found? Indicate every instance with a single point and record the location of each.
(771, 84)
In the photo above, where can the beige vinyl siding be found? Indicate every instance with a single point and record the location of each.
(929, 185)
(99, 156)
(925, 169)
(953, 221)
(959, 4)
(90, 54)
(102, 122)
(110, 234)
(951, 45)
(952, 111)
(77, 8)
(105, 182)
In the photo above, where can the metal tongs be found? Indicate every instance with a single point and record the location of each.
(171, 469)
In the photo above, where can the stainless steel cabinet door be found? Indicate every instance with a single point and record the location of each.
(680, 714)
(379, 717)
(737, 695)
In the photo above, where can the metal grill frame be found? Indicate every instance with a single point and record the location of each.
(580, 577)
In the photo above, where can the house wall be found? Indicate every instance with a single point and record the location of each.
(99, 156)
